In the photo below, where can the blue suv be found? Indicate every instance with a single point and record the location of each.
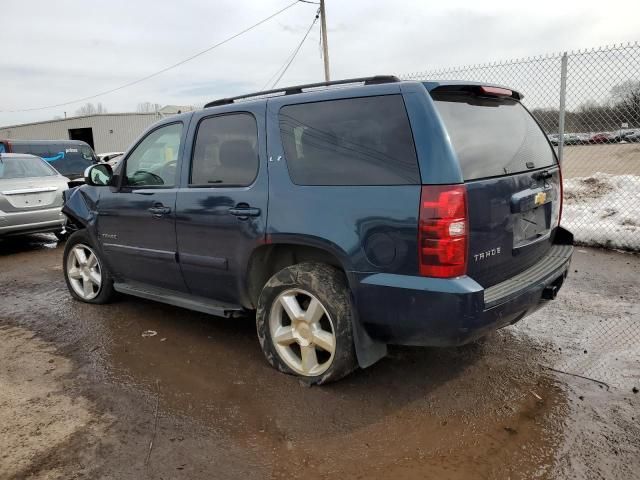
(347, 215)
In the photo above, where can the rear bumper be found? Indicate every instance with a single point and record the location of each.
(408, 310)
(44, 220)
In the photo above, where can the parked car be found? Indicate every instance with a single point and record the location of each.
(568, 139)
(386, 212)
(632, 137)
(105, 157)
(603, 137)
(69, 157)
(572, 139)
(583, 138)
(31, 193)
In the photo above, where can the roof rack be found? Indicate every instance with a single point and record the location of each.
(375, 80)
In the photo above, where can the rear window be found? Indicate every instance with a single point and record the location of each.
(356, 141)
(493, 137)
(24, 167)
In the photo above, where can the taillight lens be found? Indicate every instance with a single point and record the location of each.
(496, 91)
(561, 193)
(443, 235)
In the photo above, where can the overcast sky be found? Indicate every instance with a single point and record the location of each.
(57, 51)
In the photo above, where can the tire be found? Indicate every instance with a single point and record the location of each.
(319, 329)
(92, 272)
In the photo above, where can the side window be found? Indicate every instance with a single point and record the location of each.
(225, 151)
(355, 141)
(153, 162)
(31, 149)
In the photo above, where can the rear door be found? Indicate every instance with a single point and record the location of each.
(222, 205)
(512, 179)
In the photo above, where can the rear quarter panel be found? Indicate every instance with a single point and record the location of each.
(368, 228)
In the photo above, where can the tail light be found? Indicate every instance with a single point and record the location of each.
(561, 193)
(496, 92)
(443, 231)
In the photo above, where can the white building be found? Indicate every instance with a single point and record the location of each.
(109, 132)
(175, 109)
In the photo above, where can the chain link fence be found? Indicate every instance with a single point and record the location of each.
(588, 103)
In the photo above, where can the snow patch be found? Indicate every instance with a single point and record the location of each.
(603, 210)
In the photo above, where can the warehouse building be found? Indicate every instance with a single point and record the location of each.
(108, 132)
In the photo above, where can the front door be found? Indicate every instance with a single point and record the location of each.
(136, 220)
(222, 208)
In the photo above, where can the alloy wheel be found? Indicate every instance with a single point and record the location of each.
(302, 332)
(84, 271)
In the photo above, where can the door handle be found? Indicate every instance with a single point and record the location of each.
(244, 212)
(158, 210)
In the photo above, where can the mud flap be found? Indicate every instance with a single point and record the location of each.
(368, 350)
(563, 236)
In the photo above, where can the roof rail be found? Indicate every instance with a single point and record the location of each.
(375, 80)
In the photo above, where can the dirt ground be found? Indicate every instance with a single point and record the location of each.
(83, 394)
(616, 159)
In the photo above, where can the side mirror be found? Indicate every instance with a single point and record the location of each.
(99, 175)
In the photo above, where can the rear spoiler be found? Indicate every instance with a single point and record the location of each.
(475, 88)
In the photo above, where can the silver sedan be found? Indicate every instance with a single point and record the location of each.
(30, 196)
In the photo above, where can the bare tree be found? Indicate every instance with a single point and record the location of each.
(91, 109)
(148, 107)
(627, 101)
(548, 118)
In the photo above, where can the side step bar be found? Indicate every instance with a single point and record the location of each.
(183, 300)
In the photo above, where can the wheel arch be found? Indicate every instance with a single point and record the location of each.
(270, 258)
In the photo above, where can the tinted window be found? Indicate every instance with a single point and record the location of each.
(226, 151)
(493, 137)
(68, 159)
(24, 167)
(153, 162)
(357, 141)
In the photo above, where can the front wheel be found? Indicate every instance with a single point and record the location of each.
(85, 273)
(304, 320)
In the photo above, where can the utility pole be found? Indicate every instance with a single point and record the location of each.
(325, 46)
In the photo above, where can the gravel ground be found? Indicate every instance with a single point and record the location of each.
(84, 395)
(616, 159)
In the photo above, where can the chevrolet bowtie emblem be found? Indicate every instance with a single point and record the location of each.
(540, 198)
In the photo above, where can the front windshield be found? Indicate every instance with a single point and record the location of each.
(24, 167)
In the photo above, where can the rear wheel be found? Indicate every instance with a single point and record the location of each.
(87, 278)
(304, 323)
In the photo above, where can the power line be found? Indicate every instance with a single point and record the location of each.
(155, 74)
(283, 69)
